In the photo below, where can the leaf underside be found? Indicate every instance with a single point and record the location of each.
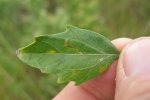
(74, 55)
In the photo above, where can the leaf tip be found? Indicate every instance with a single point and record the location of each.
(18, 52)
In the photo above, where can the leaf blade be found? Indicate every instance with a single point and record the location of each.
(70, 54)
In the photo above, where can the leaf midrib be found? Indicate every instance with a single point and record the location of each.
(91, 54)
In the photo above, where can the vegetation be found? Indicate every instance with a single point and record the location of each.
(20, 20)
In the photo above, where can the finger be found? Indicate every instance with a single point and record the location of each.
(133, 71)
(120, 43)
(99, 88)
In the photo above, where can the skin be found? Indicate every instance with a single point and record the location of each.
(122, 81)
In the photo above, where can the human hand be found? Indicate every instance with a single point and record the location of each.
(126, 79)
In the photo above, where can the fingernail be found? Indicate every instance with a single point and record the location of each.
(136, 58)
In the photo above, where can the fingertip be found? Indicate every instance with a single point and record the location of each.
(120, 43)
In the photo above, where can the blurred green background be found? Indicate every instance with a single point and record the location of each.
(21, 20)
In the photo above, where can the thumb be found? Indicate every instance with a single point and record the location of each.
(133, 71)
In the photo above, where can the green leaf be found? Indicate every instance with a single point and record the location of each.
(74, 55)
